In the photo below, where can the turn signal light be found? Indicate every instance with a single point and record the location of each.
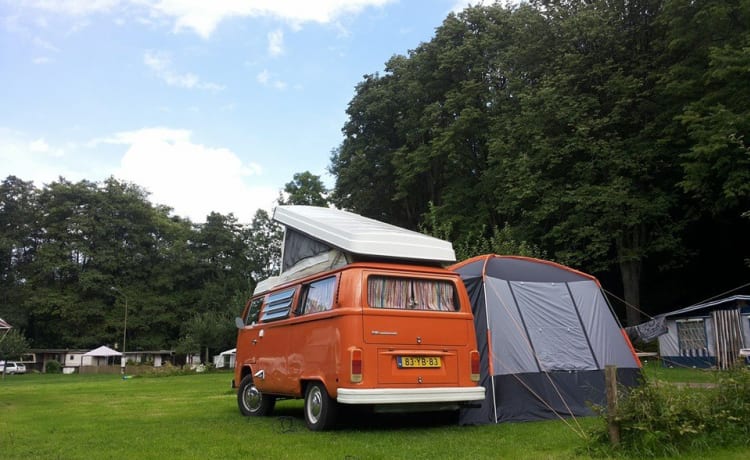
(356, 365)
(474, 358)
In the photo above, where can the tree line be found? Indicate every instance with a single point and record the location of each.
(73, 256)
(606, 135)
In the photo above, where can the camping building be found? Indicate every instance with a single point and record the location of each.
(225, 359)
(709, 334)
(545, 333)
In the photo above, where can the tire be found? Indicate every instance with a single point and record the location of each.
(251, 401)
(320, 409)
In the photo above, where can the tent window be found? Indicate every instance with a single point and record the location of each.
(691, 334)
(411, 294)
(318, 296)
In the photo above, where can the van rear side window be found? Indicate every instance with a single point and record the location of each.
(278, 306)
(318, 296)
(411, 294)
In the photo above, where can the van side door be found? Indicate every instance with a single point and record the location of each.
(272, 343)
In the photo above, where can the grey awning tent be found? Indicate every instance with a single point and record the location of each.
(707, 334)
(545, 333)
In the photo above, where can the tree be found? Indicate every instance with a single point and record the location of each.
(305, 189)
(707, 52)
(540, 121)
(18, 245)
(208, 330)
(12, 346)
(264, 238)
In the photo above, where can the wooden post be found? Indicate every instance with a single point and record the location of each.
(610, 380)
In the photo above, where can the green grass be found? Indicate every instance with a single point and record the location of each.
(653, 369)
(196, 416)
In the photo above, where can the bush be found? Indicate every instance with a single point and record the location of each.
(52, 367)
(664, 419)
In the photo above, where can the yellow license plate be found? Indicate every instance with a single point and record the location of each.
(418, 361)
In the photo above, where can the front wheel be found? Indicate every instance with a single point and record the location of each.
(320, 409)
(252, 401)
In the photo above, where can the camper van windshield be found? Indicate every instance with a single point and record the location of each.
(411, 294)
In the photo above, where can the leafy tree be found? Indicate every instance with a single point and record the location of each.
(363, 164)
(305, 189)
(264, 238)
(708, 56)
(605, 189)
(12, 346)
(208, 330)
(18, 244)
(541, 121)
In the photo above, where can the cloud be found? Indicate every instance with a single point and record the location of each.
(32, 159)
(161, 65)
(276, 42)
(191, 178)
(41, 60)
(39, 145)
(203, 16)
(75, 7)
(266, 79)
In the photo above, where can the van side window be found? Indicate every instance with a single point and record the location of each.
(410, 293)
(278, 306)
(318, 296)
(254, 311)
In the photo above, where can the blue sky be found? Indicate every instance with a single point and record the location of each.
(211, 105)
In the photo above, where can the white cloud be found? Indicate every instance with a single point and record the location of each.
(32, 159)
(39, 145)
(276, 42)
(191, 178)
(161, 65)
(75, 7)
(266, 79)
(203, 16)
(41, 60)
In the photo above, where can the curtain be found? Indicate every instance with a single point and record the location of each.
(412, 294)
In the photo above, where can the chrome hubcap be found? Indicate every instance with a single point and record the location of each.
(315, 405)
(252, 398)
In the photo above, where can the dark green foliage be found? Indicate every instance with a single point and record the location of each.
(666, 419)
(64, 247)
(12, 345)
(52, 367)
(596, 133)
(305, 189)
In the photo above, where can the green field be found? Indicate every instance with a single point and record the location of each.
(196, 416)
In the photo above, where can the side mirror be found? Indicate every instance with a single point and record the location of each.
(239, 322)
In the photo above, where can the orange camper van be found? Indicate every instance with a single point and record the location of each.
(362, 314)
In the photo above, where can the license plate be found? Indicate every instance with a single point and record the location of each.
(418, 361)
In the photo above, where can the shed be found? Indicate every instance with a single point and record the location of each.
(708, 334)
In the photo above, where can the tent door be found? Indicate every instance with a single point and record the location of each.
(727, 337)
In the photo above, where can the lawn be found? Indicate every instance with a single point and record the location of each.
(196, 416)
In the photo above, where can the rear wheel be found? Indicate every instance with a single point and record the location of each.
(252, 401)
(320, 409)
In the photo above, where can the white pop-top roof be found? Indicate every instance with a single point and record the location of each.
(360, 235)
